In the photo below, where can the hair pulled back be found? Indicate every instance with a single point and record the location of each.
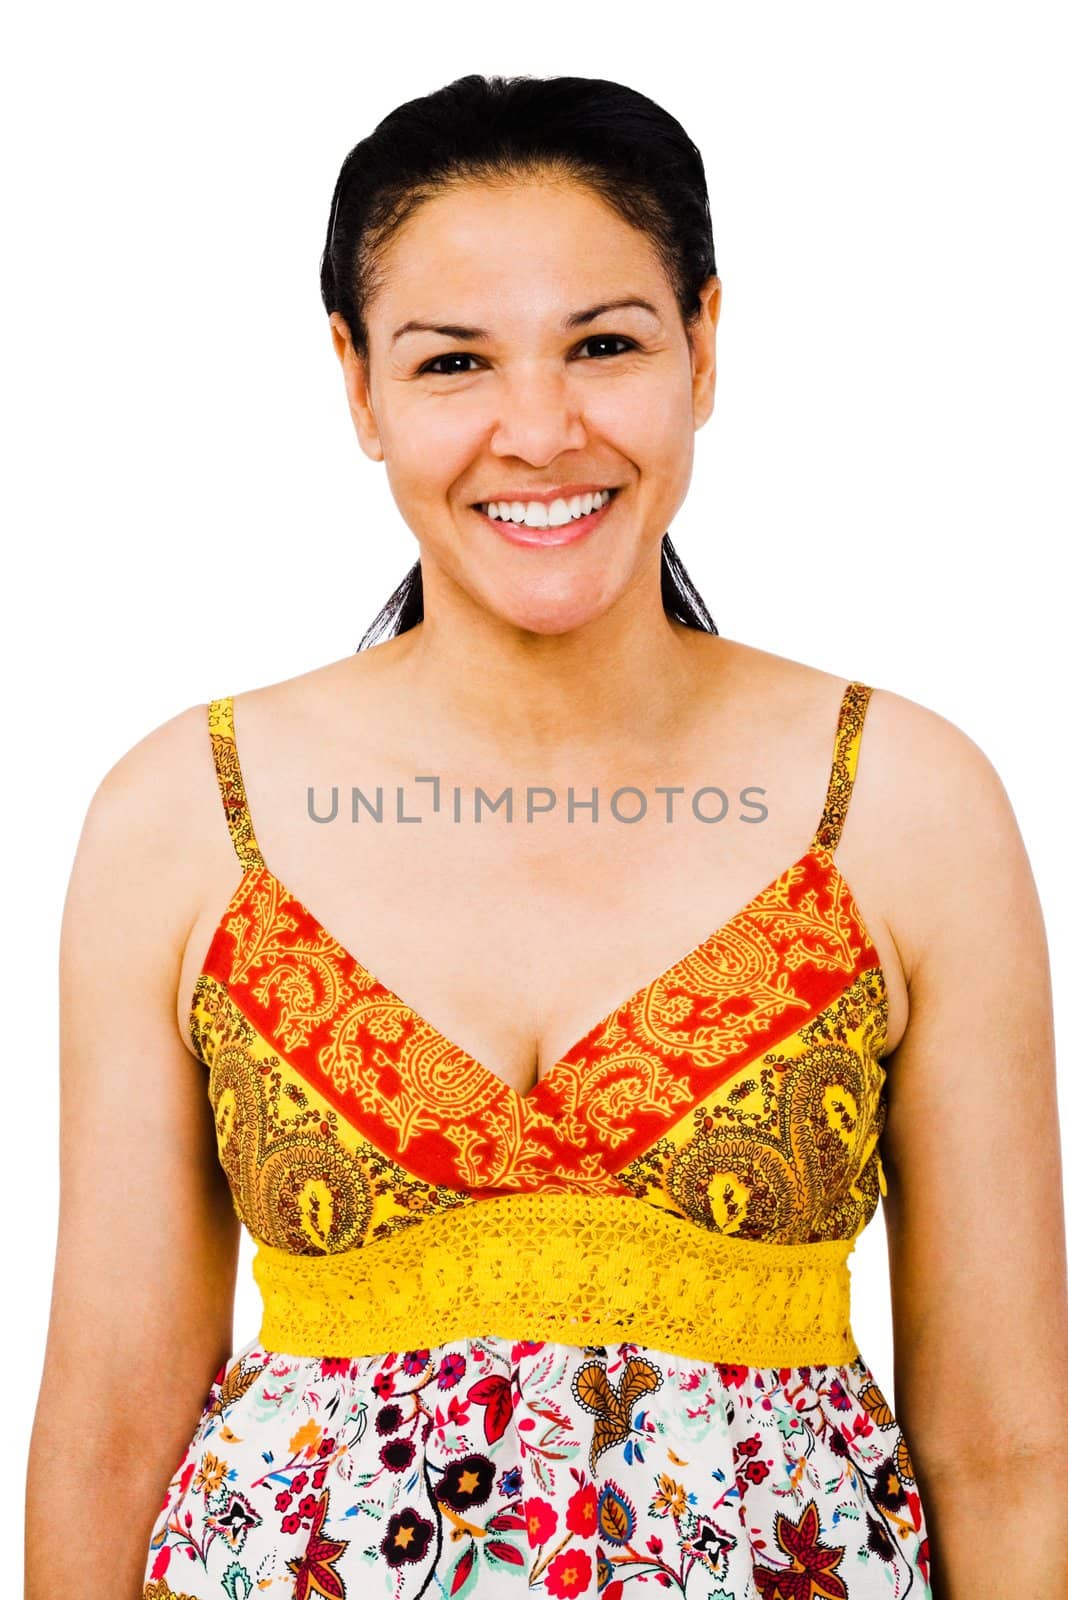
(613, 140)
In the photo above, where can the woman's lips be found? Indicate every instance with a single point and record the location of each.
(568, 533)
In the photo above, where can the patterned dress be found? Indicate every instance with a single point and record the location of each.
(589, 1341)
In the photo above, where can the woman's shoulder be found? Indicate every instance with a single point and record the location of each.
(149, 794)
(933, 840)
(130, 886)
(939, 790)
(926, 746)
(160, 795)
(927, 792)
(938, 759)
(940, 839)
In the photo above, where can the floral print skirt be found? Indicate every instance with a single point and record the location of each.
(486, 1467)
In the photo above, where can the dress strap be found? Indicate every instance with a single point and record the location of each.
(843, 766)
(231, 783)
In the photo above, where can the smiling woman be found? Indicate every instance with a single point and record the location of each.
(619, 384)
(517, 167)
(550, 1305)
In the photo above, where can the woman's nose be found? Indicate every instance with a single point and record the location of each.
(539, 414)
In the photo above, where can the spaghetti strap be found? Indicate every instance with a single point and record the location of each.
(231, 783)
(843, 766)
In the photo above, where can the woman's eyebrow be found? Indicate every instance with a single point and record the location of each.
(577, 319)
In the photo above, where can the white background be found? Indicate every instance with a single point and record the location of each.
(880, 492)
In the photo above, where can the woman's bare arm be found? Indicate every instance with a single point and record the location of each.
(975, 1208)
(142, 1294)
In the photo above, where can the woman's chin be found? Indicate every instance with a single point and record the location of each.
(551, 615)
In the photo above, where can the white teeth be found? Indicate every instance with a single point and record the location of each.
(536, 514)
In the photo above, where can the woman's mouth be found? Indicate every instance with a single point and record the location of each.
(557, 523)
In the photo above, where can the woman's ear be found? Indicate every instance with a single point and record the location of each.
(357, 387)
(703, 351)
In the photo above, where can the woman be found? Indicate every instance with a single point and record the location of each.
(550, 1303)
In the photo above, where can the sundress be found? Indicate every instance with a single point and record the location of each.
(589, 1341)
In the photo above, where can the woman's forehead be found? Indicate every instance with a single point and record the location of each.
(548, 252)
(468, 215)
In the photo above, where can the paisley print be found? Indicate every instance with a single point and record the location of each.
(677, 1196)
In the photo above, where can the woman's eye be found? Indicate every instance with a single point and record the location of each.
(611, 338)
(453, 355)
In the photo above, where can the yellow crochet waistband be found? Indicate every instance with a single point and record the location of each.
(572, 1268)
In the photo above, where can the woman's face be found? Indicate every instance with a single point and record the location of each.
(516, 387)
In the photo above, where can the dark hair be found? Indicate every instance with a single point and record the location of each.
(611, 139)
